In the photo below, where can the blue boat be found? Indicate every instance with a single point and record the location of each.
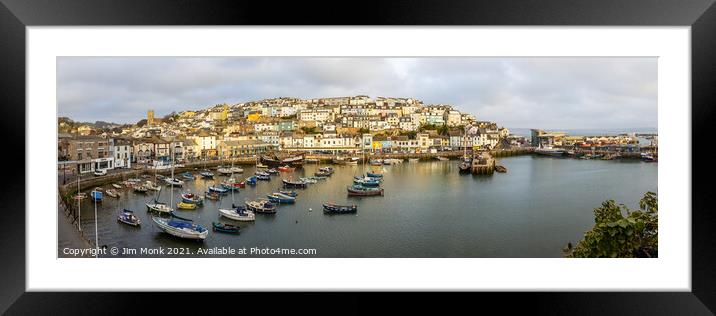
(188, 176)
(366, 182)
(192, 198)
(96, 196)
(263, 177)
(374, 175)
(207, 174)
(281, 198)
(225, 228)
(219, 190)
(289, 193)
(251, 180)
(261, 173)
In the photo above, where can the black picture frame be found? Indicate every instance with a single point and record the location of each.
(15, 15)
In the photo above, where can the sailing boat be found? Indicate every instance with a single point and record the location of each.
(161, 207)
(237, 213)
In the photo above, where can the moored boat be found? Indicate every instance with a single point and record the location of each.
(263, 177)
(140, 189)
(309, 180)
(224, 171)
(280, 198)
(192, 198)
(413, 159)
(128, 217)
(238, 213)
(441, 158)
(206, 174)
(188, 176)
(174, 182)
(152, 186)
(289, 193)
(261, 166)
(359, 190)
(225, 228)
(112, 193)
(261, 206)
(549, 151)
(339, 209)
(366, 182)
(274, 161)
(376, 162)
(374, 174)
(186, 206)
(181, 228)
(236, 170)
(96, 196)
(250, 180)
(286, 169)
(290, 183)
(212, 195)
(218, 189)
(159, 207)
(117, 185)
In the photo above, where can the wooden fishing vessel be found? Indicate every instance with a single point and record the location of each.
(339, 209)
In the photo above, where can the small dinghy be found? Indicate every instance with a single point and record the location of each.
(225, 228)
(272, 171)
(339, 209)
(140, 189)
(188, 176)
(117, 185)
(128, 217)
(238, 213)
(286, 169)
(366, 182)
(112, 193)
(309, 180)
(263, 177)
(212, 195)
(186, 206)
(262, 173)
(289, 193)
(251, 180)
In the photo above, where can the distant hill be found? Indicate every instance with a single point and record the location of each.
(66, 124)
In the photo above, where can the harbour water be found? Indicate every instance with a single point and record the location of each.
(429, 210)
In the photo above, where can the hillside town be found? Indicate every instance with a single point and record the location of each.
(339, 125)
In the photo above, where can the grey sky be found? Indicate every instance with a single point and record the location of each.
(515, 92)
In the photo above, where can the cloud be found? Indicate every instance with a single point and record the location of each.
(550, 93)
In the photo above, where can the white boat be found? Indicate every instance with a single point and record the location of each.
(174, 181)
(308, 180)
(117, 185)
(413, 159)
(261, 166)
(238, 214)
(549, 151)
(224, 171)
(112, 193)
(181, 228)
(152, 186)
(159, 207)
(392, 161)
(236, 170)
(442, 158)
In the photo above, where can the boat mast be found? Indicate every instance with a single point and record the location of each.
(79, 209)
(171, 182)
(96, 236)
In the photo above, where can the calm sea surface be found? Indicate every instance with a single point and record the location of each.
(429, 210)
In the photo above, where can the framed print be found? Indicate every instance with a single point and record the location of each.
(481, 150)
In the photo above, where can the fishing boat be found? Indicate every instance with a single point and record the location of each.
(309, 180)
(212, 195)
(140, 189)
(328, 170)
(374, 174)
(289, 193)
(206, 174)
(261, 206)
(250, 180)
(225, 228)
(152, 186)
(112, 193)
(238, 213)
(261, 166)
(181, 228)
(173, 182)
(359, 190)
(117, 185)
(128, 217)
(290, 183)
(366, 182)
(192, 198)
(465, 166)
(96, 196)
(322, 174)
(500, 169)
(275, 161)
(441, 158)
(413, 159)
(186, 206)
(549, 151)
(188, 176)
(263, 177)
(339, 209)
(281, 198)
(218, 189)
(286, 169)
(272, 171)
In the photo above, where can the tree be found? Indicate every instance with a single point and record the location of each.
(615, 235)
